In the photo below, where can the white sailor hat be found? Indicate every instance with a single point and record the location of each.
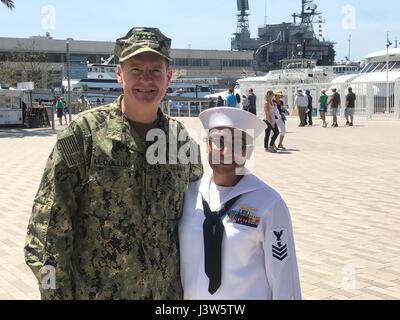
(232, 118)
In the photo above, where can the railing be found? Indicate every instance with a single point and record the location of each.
(373, 99)
(185, 107)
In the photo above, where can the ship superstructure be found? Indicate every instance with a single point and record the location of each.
(288, 40)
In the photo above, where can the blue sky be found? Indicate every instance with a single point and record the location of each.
(206, 24)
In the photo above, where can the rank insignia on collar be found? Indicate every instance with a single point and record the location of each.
(244, 216)
(280, 244)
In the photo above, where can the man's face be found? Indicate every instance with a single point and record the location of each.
(226, 149)
(145, 79)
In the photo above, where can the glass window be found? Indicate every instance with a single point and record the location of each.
(378, 67)
(392, 64)
(396, 66)
(372, 66)
(364, 70)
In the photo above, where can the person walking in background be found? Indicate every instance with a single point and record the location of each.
(323, 106)
(60, 110)
(231, 99)
(245, 102)
(83, 104)
(53, 102)
(220, 101)
(301, 101)
(280, 118)
(24, 107)
(65, 111)
(239, 104)
(310, 107)
(334, 102)
(252, 102)
(269, 119)
(40, 103)
(350, 106)
(211, 103)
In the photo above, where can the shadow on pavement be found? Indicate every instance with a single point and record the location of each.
(23, 132)
(289, 150)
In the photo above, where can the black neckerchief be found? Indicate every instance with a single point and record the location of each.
(213, 232)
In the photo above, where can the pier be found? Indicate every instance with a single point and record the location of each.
(340, 184)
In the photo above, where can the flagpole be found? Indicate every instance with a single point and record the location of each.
(387, 72)
(387, 57)
(388, 44)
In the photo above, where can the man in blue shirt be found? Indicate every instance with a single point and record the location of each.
(231, 99)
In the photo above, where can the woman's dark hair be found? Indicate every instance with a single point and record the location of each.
(238, 99)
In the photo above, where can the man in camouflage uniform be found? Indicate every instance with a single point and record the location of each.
(104, 221)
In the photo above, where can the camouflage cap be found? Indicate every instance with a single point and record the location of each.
(143, 39)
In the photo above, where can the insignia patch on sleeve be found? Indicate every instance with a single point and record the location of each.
(280, 249)
(68, 145)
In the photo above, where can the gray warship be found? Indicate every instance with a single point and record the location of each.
(287, 40)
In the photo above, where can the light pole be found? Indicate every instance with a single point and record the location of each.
(388, 44)
(69, 80)
(349, 57)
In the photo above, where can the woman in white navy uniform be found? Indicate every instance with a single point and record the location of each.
(235, 234)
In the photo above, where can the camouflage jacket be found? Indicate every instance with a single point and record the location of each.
(105, 220)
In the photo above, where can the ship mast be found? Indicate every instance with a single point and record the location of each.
(242, 39)
(308, 12)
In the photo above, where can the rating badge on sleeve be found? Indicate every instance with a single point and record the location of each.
(280, 249)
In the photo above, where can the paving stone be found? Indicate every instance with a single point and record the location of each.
(341, 192)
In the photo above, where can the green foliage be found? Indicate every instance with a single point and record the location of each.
(8, 3)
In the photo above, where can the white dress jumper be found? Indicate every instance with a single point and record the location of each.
(258, 252)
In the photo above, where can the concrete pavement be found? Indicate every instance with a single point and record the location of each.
(341, 186)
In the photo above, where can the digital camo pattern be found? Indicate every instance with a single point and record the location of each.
(142, 39)
(104, 217)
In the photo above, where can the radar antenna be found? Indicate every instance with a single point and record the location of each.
(241, 39)
(308, 12)
(243, 17)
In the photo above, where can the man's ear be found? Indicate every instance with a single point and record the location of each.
(119, 72)
(169, 74)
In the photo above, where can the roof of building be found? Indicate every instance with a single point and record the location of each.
(50, 45)
(382, 53)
